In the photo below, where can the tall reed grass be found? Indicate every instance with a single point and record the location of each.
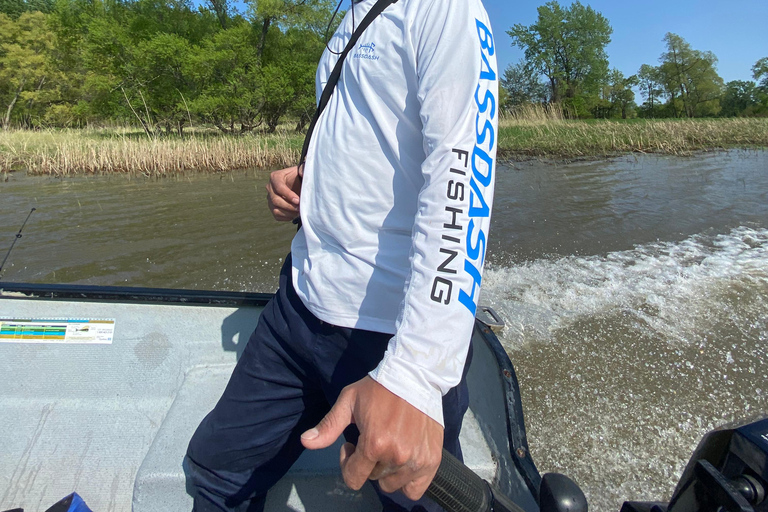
(540, 132)
(7, 162)
(525, 132)
(534, 113)
(73, 152)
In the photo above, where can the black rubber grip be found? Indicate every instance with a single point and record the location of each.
(457, 488)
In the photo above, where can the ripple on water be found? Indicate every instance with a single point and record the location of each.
(626, 360)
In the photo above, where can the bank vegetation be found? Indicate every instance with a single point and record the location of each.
(242, 67)
(220, 85)
(545, 132)
(531, 132)
(105, 151)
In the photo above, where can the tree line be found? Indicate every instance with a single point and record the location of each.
(163, 64)
(566, 63)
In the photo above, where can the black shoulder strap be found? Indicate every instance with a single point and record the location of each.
(336, 73)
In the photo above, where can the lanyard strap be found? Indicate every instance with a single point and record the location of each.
(333, 79)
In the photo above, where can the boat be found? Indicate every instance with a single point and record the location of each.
(101, 389)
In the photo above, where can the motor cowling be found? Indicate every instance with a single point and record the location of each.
(728, 471)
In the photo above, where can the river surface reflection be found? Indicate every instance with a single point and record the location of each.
(635, 290)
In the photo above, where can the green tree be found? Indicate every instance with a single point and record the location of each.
(148, 18)
(226, 70)
(523, 85)
(25, 68)
(739, 99)
(159, 62)
(15, 8)
(288, 68)
(93, 53)
(312, 15)
(222, 10)
(107, 58)
(288, 53)
(160, 81)
(690, 78)
(117, 50)
(760, 72)
(621, 95)
(567, 45)
(652, 88)
(504, 103)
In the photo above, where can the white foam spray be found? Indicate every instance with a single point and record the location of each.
(626, 359)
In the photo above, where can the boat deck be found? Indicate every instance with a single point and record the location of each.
(111, 421)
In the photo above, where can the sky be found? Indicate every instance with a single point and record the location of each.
(736, 31)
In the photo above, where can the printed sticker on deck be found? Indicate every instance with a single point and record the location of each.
(72, 330)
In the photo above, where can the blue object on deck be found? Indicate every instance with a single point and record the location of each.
(72, 503)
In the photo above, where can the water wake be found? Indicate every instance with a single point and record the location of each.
(625, 360)
(670, 286)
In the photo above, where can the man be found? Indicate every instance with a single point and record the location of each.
(376, 303)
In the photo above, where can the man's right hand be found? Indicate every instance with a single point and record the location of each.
(283, 191)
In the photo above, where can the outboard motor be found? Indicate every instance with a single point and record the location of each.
(727, 472)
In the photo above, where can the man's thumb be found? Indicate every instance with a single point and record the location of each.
(331, 427)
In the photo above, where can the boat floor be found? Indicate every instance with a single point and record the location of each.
(112, 422)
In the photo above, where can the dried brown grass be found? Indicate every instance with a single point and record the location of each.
(530, 113)
(532, 131)
(162, 157)
(72, 152)
(7, 162)
(597, 138)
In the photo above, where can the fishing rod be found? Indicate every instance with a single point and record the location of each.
(18, 235)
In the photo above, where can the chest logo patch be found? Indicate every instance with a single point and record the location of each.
(366, 51)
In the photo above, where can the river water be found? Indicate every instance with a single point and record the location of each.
(635, 290)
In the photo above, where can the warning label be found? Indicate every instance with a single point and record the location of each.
(57, 331)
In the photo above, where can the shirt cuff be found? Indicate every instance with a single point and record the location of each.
(409, 382)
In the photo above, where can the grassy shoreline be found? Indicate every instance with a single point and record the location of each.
(128, 151)
(564, 139)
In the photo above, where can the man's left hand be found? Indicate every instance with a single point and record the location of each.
(399, 445)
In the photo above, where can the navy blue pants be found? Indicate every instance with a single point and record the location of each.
(291, 371)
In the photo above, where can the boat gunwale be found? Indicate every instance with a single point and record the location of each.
(132, 295)
(516, 433)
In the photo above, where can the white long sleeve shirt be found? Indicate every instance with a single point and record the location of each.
(398, 186)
